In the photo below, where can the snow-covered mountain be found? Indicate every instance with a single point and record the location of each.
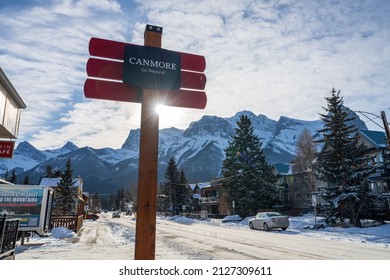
(198, 150)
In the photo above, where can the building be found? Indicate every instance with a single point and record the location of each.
(79, 197)
(294, 194)
(378, 156)
(10, 108)
(209, 197)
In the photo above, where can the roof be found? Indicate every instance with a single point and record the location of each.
(50, 182)
(54, 182)
(283, 168)
(200, 185)
(376, 138)
(2, 181)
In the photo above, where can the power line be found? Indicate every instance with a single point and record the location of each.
(376, 116)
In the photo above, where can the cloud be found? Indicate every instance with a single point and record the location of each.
(277, 58)
(44, 54)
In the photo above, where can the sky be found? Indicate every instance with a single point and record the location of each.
(276, 58)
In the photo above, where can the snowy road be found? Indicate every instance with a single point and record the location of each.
(110, 239)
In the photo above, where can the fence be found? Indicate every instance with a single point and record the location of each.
(8, 236)
(72, 222)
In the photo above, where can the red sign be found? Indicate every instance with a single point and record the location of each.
(7, 149)
(113, 70)
(110, 90)
(115, 50)
(105, 67)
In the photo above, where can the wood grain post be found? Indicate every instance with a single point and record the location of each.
(145, 236)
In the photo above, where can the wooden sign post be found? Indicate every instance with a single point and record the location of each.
(145, 236)
(120, 71)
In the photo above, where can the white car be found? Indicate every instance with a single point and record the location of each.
(268, 221)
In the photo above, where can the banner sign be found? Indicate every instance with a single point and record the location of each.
(152, 68)
(22, 203)
(7, 149)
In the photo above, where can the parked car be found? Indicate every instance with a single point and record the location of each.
(268, 221)
(116, 215)
(232, 219)
(91, 216)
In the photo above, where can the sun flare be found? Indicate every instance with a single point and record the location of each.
(168, 116)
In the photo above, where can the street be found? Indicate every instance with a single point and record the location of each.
(113, 238)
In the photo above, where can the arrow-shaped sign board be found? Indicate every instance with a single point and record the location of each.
(113, 70)
(115, 50)
(110, 90)
(178, 76)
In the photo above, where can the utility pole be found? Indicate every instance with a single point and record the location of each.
(386, 126)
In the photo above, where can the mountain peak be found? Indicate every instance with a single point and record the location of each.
(67, 148)
(26, 149)
(70, 146)
(209, 125)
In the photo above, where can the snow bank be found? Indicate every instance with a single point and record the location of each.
(62, 232)
(181, 219)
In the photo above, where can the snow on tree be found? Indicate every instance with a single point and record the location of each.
(65, 192)
(341, 164)
(174, 191)
(249, 179)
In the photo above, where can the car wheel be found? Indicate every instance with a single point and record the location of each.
(265, 227)
(251, 225)
(284, 228)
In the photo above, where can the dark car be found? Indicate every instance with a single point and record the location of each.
(91, 216)
(116, 215)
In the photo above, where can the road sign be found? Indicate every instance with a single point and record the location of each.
(113, 70)
(7, 149)
(116, 91)
(115, 50)
(152, 68)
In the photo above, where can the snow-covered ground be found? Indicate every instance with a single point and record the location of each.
(121, 236)
(379, 235)
(103, 249)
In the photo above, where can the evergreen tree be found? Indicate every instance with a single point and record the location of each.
(13, 177)
(112, 202)
(121, 199)
(249, 179)
(26, 180)
(49, 171)
(96, 203)
(175, 191)
(6, 174)
(341, 163)
(65, 192)
(57, 174)
(183, 193)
